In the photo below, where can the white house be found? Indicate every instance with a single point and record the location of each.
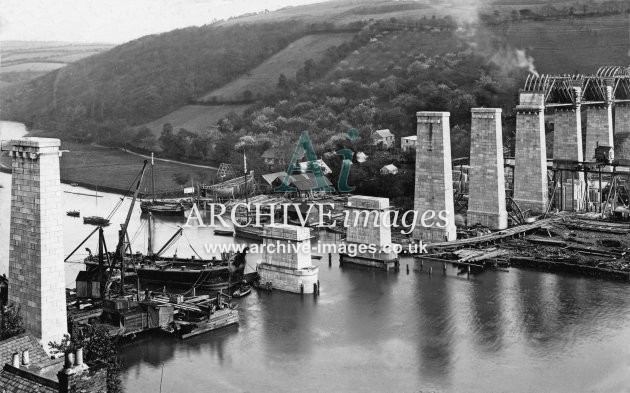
(389, 170)
(408, 143)
(383, 137)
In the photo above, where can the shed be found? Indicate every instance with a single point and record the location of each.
(88, 284)
(390, 169)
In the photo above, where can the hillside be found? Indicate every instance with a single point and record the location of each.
(194, 118)
(264, 78)
(157, 79)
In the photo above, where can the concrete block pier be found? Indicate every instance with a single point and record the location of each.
(287, 266)
(36, 266)
(530, 171)
(367, 225)
(434, 177)
(486, 203)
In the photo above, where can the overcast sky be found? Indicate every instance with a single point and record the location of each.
(116, 21)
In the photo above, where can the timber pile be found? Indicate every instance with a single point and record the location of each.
(492, 237)
(592, 226)
(472, 255)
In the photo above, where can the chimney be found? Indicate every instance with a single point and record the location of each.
(78, 357)
(16, 360)
(26, 360)
(78, 376)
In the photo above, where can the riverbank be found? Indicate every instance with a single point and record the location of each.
(113, 170)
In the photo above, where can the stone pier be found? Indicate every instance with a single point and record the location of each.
(567, 152)
(530, 171)
(36, 259)
(599, 126)
(287, 261)
(486, 201)
(434, 177)
(622, 131)
(368, 224)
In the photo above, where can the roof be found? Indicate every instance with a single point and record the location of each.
(20, 343)
(271, 177)
(31, 380)
(390, 167)
(386, 133)
(14, 381)
(85, 275)
(411, 137)
(306, 181)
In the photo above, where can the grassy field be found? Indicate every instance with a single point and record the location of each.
(24, 60)
(113, 168)
(194, 118)
(264, 78)
(573, 45)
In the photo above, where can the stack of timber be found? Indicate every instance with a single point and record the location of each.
(492, 238)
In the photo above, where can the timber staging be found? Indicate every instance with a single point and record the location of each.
(565, 242)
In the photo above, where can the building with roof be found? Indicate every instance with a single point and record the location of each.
(304, 183)
(408, 143)
(26, 368)
(383, 138)
(390, 169)
(274, 156)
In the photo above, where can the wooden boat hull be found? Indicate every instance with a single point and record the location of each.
(218, 320)
(220, 232)
(249, 233)
(210, 278)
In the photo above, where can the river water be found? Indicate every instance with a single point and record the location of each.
(372, 331)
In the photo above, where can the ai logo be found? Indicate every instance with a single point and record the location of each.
(305, 145)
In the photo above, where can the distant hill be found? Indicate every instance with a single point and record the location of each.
(26, 60)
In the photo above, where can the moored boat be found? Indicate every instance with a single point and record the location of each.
(222, 316)
(223, 232)
(250, 232)
(242, 291)
(96, 220)
(73, 213)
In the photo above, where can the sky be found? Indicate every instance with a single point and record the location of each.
(116, 21)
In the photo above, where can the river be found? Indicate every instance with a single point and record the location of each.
(372, 331)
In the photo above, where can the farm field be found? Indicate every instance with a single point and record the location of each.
(264, 78)
(112, 168)
(195, 118)
(22, 60)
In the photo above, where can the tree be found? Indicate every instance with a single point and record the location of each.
(144, 138)
(283, 83)
(11, 322)
(97, 346)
